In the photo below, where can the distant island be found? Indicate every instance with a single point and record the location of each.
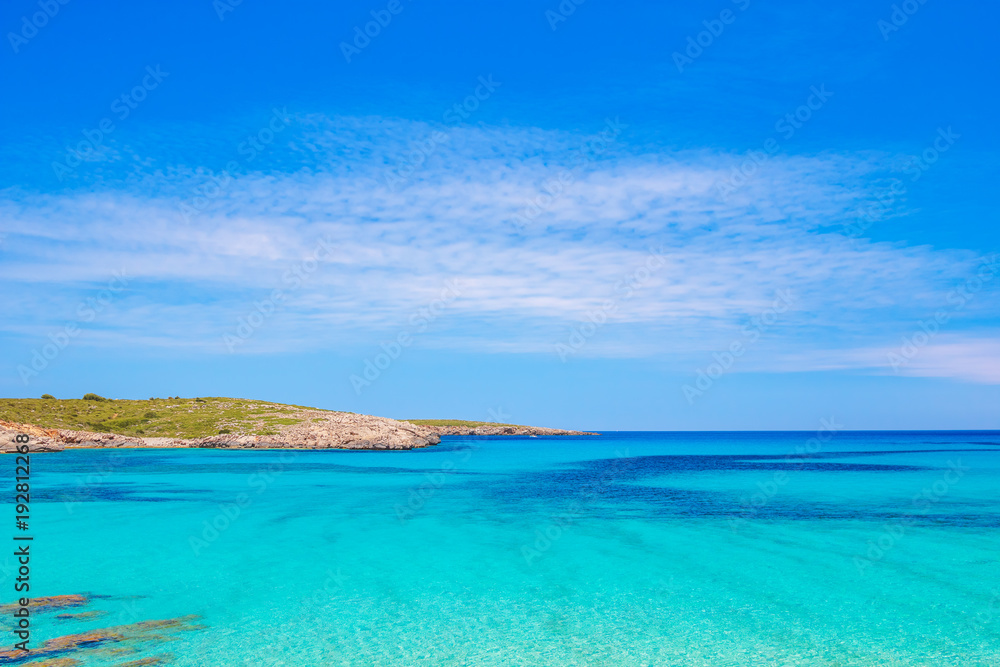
(225, 423)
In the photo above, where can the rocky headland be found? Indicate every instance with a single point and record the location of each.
(503, 429)
(53, 424)
(316, 429)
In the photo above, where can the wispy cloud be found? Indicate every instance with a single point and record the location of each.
(524, 287)
(966, 357)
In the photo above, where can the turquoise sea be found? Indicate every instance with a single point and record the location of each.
(660, 549)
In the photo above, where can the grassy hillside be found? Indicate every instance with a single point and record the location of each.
(456, 422)
(157, 417)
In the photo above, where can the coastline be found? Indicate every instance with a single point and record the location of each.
(313, 430)
(318, 429)
(505, 430)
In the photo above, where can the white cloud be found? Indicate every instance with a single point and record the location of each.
(523, 288)
(968, 358)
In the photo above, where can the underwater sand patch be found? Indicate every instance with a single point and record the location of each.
(161, 659)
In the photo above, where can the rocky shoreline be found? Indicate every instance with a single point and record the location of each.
(318, 429)
(503, 429)
(315, 429)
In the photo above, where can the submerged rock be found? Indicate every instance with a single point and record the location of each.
(140, 633)
(59, 645)
(82, 616)
(49, 603)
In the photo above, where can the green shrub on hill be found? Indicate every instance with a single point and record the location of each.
(157, 417)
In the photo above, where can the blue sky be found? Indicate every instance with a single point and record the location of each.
(704, 215)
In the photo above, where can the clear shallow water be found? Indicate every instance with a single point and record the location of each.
(624, 549)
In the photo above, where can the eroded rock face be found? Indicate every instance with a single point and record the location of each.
(56, 439)
(318, 429)
(332, 430)
(91, 439)
(42, 439)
